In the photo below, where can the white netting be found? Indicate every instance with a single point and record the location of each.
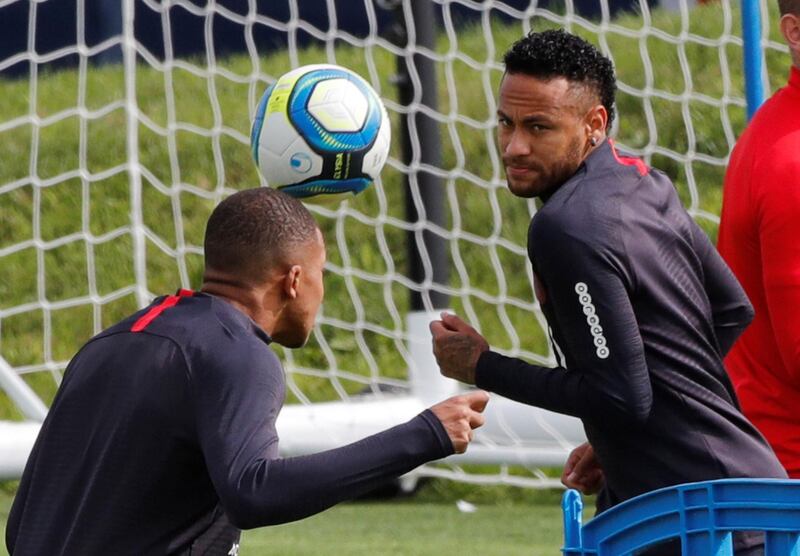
(108, 173)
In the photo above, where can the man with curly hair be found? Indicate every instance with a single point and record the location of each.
(640, 306)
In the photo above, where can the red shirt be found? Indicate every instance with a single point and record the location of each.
(759, 237)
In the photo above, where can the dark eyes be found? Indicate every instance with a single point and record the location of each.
(505, 122)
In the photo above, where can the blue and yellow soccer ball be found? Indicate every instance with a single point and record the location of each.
(320, 130)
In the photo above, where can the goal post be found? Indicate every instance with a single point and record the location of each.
(118, 144)
(753, 55)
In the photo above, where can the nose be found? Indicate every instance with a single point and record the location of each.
(518, 145)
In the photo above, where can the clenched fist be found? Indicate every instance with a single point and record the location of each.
(460, 415)
(457, 347)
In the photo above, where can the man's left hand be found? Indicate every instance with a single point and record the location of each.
(583, 471)
(457, 347)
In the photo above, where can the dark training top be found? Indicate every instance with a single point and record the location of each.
(162, 440)
(641, 310)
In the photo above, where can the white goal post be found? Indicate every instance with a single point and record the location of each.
(118, 142)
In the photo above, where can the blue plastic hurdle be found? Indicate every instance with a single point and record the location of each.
(703, 515)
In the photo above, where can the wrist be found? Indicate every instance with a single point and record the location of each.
(480, 366)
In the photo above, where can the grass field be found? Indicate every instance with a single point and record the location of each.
(415, 529)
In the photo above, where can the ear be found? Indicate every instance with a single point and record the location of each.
(291, 281)
(595, 123)
(790, 29)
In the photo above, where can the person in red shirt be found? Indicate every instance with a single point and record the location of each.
(759, 238)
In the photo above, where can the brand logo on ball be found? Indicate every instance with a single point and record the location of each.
(300, 162)
(341, 166)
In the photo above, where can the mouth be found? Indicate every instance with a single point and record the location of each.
(519, 171)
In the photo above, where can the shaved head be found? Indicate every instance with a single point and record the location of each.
(256, 230)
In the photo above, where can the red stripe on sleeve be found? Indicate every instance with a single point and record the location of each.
(150, 316)
(641, 167)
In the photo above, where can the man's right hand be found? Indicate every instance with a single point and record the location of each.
(460, 415)
(457, 347)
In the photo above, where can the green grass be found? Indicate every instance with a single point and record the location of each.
(7, 491)
(415, 529)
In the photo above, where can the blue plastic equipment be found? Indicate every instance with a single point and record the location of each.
(703, 515)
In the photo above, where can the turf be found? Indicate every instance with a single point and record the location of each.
(7, 491)
(415, 529)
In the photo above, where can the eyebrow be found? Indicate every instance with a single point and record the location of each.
(527, 119)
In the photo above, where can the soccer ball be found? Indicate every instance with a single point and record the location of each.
(320, 129)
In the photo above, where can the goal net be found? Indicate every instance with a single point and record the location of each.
(121, 130)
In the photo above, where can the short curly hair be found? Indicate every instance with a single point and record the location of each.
(255, 230)
(556, 53)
